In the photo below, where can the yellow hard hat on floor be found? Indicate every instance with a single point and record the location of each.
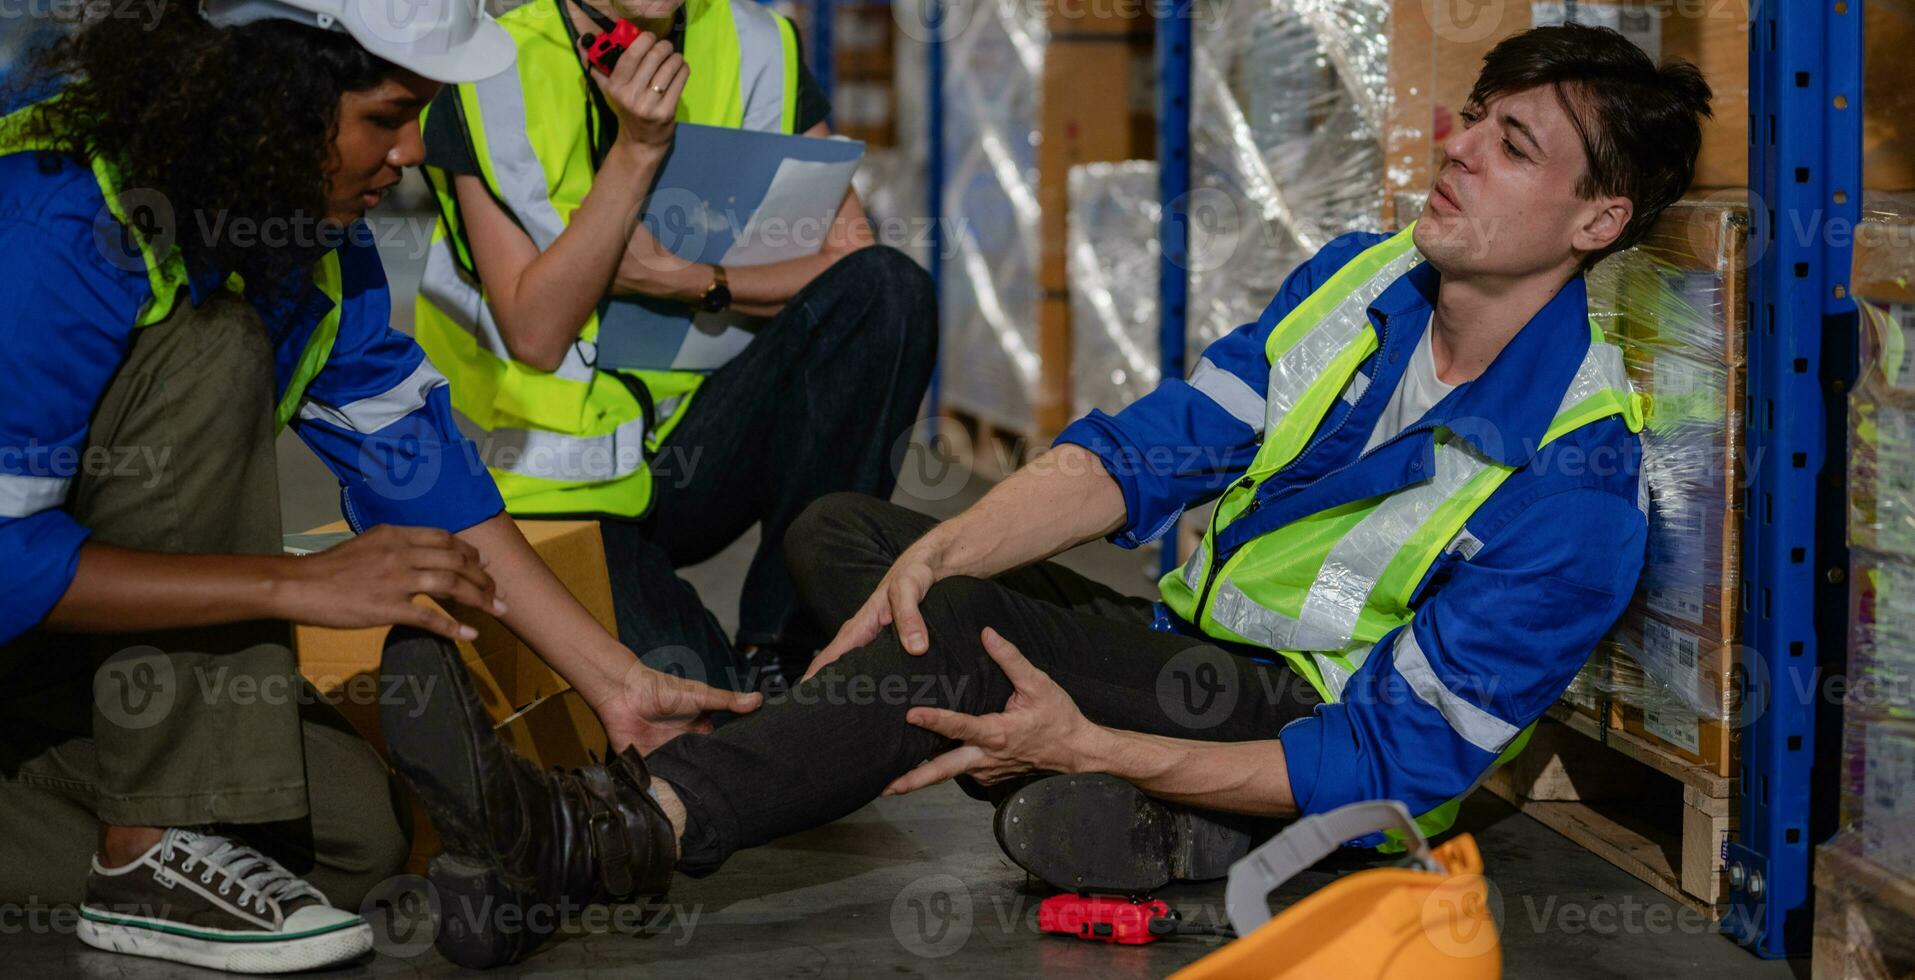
(1428, 921)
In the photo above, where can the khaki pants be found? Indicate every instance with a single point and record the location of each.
(184, 727)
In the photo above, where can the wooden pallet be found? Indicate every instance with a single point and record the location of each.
(1864, 916)
(1630, 802)
(989, 449)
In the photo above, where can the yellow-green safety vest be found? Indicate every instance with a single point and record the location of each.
(576, 439)
(1325, 588)
(166, 274)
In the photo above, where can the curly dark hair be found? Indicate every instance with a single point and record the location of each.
(224, 123)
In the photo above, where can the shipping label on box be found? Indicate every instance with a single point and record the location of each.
(1670, 656)
(1888, 804)
(1674, 724)
(1679, 566)
(1894, 481)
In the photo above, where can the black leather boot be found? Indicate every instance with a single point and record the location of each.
(524, 847)
(1099, 833)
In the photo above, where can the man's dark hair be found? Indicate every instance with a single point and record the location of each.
(1640, 123)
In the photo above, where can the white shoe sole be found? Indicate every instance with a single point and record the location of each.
(165, 941)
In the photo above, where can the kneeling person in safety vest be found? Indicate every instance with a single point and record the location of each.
(540, 174)
(1425, 462)
(186, 276)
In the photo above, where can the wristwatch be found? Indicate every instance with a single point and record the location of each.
(718, 294)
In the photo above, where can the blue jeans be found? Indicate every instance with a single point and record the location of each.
(818, 403)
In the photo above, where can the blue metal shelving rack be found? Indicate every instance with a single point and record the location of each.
(1173, 186)
(1805, 102)
(818, 46)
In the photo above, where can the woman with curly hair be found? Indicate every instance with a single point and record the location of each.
(188, 273)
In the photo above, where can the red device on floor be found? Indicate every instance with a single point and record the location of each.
(1102, 918)
(602, 50)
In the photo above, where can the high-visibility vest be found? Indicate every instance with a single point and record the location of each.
(166, 274)
(576, 439)
(1324, 589)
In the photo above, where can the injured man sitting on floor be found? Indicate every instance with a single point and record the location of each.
(1425, 463)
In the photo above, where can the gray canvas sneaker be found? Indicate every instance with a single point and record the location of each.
(207, 900)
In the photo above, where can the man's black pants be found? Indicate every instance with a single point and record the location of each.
(832, 744)
(816, 404)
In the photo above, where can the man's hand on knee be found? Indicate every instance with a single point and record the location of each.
(894, 603)
(1039, 730)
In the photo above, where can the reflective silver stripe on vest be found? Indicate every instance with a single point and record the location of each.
(1336, 677)
(1194, 568)
(1478, 727)
(1242, 615)
(515, 165)
(370, 414)
(761, 66)
(1350, 571)
(1231, 393)
(574, 459)
(1343, 585)
(446, 287)
(1303, 364)
(24, 496)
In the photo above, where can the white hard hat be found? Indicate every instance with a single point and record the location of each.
(445, 40)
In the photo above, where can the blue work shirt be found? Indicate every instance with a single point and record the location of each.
(377, 414)
(1514, 606)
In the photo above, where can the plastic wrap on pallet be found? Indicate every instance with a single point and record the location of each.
(1114, 252)
(1590, 687)
(1879, 703)
(1878, 742)
(902, 218)
(1289, 97)
(989, 310)
(1882, 407)
(1864, 914)
(1672, 304)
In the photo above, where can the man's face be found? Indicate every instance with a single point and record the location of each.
(1505, 203)
(378, 138)
(652, 10)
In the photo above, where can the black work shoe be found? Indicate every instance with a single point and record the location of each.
(1101, 834)
(533, 844)
(207, 900)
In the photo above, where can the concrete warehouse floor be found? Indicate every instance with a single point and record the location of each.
(916, 886)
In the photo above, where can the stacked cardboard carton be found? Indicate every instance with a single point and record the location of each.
(1029, 93)
(534, 709)
(1865, 876)
(1674, 304)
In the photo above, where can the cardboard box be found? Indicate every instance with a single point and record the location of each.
(537, 711)
(1657, 701)
(1681, 303)
(1070, 19)
(344, 664)
(1884, 262)
(1097, 105)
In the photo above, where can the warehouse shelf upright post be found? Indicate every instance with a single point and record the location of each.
(818, 46)
(1805, 95)
(934, 178)
(1173, 155)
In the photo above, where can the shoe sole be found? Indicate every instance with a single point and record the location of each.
(311, 951)
(1101, 834)
(482, 921)
(429, 732)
